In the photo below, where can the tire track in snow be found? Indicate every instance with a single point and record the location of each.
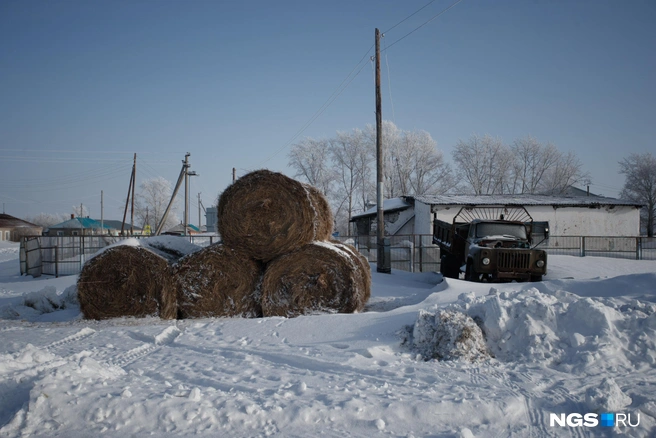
(74, 338)
(166, 337)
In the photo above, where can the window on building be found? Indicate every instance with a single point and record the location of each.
(76, 233)
(60, 233)
(6, 235)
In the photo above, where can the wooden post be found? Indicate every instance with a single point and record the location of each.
(134, 183)
(383, 264)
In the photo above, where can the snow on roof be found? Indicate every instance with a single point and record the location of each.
(564, 201)
(389, 205)
(8, 221)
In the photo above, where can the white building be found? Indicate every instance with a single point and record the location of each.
(563, 215)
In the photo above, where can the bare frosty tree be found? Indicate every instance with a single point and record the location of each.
(47, 220)
(351, 159)
(311, 160)
(424, 170)
(484, 162)
(539, 168)
(640, 184)
(151, 202)
(391, 135)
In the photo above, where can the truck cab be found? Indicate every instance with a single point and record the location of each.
(489, 248)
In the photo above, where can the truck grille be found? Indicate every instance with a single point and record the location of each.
(513, 260)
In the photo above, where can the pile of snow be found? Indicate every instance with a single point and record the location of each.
(562, 330)
(448, 335)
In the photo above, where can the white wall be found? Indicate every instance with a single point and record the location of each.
(563, 221)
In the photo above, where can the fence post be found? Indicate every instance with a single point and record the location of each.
(56, 261)
(582, 246)
(638, 248)
(421, 254)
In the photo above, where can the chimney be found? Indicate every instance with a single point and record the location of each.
(588, 191)
(72, 215)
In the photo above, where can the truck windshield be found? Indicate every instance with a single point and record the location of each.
(497, 229)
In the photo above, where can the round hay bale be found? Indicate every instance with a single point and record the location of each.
(363, 264)
(324, 218)
(266, 214)
(320, 277)
(218, 281)
(126, 281)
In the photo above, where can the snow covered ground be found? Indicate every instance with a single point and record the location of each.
(583, 341)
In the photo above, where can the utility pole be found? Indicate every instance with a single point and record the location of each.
(130, 192)
(199, 211)
(234, 174)
(134, 183)
(383, 263)
(187, 175)
(102, 214)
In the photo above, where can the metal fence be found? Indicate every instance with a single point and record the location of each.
(409, 252)
(65, 255)
(41, 255)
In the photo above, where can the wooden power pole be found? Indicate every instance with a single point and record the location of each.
(383, 263)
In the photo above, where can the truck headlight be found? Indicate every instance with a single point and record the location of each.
(486, 261)
(540, 263)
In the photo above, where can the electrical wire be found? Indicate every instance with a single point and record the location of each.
(335, 94)
(411, 15)
(423, 24)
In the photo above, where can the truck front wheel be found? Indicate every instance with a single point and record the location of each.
(536, 278)
(471, 274)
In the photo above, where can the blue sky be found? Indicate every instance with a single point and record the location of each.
(85, 84)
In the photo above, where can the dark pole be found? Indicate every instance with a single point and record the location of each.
(127, 200)
(382, 263)
(134, 182)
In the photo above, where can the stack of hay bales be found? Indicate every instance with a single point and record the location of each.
(287, 226)
(131, 278)
(276, 259)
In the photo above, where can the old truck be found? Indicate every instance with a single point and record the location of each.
(490, 244)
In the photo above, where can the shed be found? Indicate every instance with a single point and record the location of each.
(12, 228)
(564, 215)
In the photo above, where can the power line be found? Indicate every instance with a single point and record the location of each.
(423, 24)
(338, 91)
(410, 16)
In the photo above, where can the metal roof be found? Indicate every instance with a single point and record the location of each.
(8, 221)
(389, 206)
(78, 223)
(523, 200)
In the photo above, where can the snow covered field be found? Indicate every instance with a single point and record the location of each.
(582, 341)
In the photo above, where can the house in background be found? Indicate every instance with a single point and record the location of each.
(179, 230)
(12, 228)
(77, 226)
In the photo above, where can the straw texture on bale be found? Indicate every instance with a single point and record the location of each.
(126, 281)
(320, 277)
(324, 215)
(266, 214)
(218, 281)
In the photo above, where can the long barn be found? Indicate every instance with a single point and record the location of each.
(563, 215)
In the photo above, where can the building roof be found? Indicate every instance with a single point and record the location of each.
(8, 221)
(389, 206)
(179, 229)
(523, 200)
(79, 223)
(116, 225)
